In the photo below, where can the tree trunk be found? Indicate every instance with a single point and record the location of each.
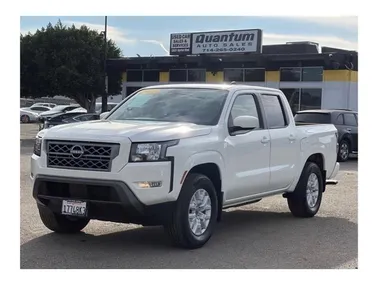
(87, 101)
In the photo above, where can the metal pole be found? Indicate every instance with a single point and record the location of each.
(104, 97)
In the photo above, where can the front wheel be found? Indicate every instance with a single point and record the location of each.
(194, 218)
(61, 224)
(306, 199)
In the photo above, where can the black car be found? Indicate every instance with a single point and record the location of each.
(68, 118)
(345, 121)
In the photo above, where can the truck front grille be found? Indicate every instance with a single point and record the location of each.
(81, 155)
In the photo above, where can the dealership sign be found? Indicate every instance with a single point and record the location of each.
(239, 41)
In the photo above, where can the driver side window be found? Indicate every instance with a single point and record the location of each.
(244, 105)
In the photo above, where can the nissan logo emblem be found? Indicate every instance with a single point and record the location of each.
(77, 151)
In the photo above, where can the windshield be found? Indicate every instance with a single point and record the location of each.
(315, 118)
(191, 105)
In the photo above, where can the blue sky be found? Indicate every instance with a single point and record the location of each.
(148, 35)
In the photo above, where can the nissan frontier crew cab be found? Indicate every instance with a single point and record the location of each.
(176, 156)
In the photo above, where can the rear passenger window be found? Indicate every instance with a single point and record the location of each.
(274, 111)
(339, 120)
(350, 120)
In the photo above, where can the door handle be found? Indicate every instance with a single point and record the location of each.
(349, 130)
(292, 138)
(265, 140)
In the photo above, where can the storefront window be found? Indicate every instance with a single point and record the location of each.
(254, 75)
(311, 99)
(152, 75)
(293, 96)
(312, 74)
(233, 75)
(134, 75)
(196, 75)
(290, 74)
(178, 75)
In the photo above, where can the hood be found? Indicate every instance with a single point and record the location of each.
(136, 131)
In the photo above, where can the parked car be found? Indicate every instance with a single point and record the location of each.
(28, 116)
(98, 108)
(37, 109)
(346, 122)
(50, 105)
(60, 109)
(177, 155)
(69, 117)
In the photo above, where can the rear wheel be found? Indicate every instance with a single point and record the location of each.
(61, 224)
(306, 199)
(194, 218)
(25, 119)
(344, 151)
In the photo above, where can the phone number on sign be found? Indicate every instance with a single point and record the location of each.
(222, 49)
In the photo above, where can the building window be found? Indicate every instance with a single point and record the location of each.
(293, 96)
(196, 75)
(312, 74)
(234, 75)
(254, 75)
(151, 75)
(178, 75)
(311, 99)
(134, 75)
(290, 74)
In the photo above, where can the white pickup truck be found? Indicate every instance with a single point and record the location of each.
(177, 155)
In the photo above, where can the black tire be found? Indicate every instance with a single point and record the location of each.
(297, 200)
(178, 227)
(61, 224)
(344, 150)
(25, 119)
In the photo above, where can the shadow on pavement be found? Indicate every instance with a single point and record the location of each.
(244, 239)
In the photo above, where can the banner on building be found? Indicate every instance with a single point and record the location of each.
(220, 42)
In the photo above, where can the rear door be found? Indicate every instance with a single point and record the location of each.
(284, 149)
(351, 125)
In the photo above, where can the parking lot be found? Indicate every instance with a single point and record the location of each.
(262, 235)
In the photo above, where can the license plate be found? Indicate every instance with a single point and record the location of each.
(74, 208)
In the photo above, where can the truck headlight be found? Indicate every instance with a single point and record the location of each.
(153, 151)
(37, 146)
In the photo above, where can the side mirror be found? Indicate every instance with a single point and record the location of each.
(246, 123)
(103, 115)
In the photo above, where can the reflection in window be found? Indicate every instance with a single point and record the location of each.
(312, 74)
(339, 120)
(196, 75)
(290, 74)
(178, 75)
(311, 99)
(254, 75)
(273, 111)
(233, 75)
(293, 96)
(350, 120)
(134, 75)
(151, 75)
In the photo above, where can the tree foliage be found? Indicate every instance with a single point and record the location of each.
(69, 61)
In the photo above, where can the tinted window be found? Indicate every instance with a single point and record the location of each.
(193, 105)
(313, 118)
(233, 75)
(312, 74)
(195, 75)
(311, 99)
(293, 97)
(39, 108)
(254, 75)
(244, 105)
(290, 74)
(178, 75)
(350, 120)
(70, 108)
(273, 111)
(134, 75)
(339, 120)
(151, 75)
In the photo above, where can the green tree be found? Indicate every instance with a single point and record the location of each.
(69, 61)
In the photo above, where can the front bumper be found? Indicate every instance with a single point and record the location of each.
(106, 200)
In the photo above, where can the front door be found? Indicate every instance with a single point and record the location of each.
(248, 152)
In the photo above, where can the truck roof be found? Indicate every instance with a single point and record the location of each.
(326, 111)
(222, 86)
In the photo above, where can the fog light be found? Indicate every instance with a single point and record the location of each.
(149, 184)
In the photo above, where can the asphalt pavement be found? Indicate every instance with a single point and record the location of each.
(261, 235)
